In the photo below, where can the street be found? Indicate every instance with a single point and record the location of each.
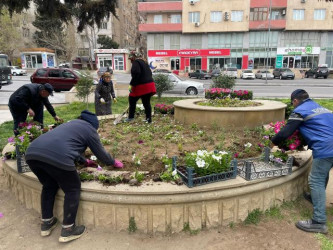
(317, 88)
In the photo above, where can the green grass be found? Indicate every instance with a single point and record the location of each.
(325, 242)
(254, 217)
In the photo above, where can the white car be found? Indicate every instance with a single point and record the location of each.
(17, 71)
(182, 86)
(232, 72)
(263, 73)
(247, 74)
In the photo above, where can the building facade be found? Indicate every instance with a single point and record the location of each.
(206, 34)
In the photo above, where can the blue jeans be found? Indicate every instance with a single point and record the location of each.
(317, 182)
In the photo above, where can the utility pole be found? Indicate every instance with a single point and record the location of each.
(269, 33)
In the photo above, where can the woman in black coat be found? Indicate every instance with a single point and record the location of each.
(104, 94)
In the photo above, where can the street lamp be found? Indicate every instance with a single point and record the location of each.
(269, 33)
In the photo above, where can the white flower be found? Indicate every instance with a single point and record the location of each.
(201, 153)
(200, 132)
(138, 162)
(166, 166)
(215, 157)
(174, 172)
(248, 145)
(93, 158)
(200, 163)
(140, 106)
(133, 157)
(223, 152)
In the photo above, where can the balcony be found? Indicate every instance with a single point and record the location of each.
(161, 27)
(263, 25)
(265, 3)
(155, 7)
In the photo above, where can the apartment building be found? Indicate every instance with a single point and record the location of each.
(205, 34)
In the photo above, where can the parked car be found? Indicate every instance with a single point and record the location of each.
(317, 72)
(161, 71)
(283, 73)
(200, 74)
(215, 72)
(17, 71)
(263, 73)
(247, 74)
(232, 72)
(102, 70)
(60, 79)
(182, 86)
(64, 65)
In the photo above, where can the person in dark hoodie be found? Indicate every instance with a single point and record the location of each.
(30, 99)
(52, 157)
(104, 94)
(142, 86)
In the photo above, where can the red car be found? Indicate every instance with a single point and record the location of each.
(60, 79)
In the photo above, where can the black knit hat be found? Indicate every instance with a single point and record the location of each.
(297, 93)
(90, 117)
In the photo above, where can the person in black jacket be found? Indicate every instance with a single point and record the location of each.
(30, 99)
(52, 157)
(104, 94)
(142, 86)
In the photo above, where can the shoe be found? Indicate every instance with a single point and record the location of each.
(307, 196)
(48, 226)
(147, 120)
(72, 233)
(309, 226)
(129, 120)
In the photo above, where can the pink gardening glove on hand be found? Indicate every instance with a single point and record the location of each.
(118, 164)
(90, 163)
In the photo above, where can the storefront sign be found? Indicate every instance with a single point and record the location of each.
(189, 52)
(159, 63)
(279, 61)
(250, 63)
(113, 51)
(298, 50)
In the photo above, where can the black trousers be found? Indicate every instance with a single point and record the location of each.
(52, 178)
(19, 116)
(146, 104)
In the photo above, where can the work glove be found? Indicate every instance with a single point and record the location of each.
(115, 100)
(130, 89)
(58, 119)
(90, 163)
(31, 112)
(102, 100)
(118, 164)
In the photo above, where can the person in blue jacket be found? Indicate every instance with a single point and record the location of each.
(315, 123)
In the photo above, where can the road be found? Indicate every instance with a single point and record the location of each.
(317, 88)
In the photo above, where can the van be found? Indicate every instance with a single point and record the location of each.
(232, 72)
(5, 71)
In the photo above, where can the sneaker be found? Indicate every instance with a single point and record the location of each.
(129, 120)
(307, 196)
(148, 120)
(72, 233)
(48, 226)
(309, 226)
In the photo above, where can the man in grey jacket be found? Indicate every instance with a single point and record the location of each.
(52, 158)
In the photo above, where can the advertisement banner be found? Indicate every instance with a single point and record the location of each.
(189, 52)
(159, 63)
(250, 63)
(308, 50)
(279, 61)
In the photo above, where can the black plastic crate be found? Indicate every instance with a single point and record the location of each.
(22, 166)
(249, 169)
(191, 179)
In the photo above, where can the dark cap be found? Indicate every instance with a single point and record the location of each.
(48, 87)
(297, 93)
(90, 117)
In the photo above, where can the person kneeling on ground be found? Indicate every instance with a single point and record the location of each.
(315, 123)
(52, 157)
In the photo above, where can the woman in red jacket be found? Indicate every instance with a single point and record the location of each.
(142, 85)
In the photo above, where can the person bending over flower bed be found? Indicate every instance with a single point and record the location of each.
(52, 158)
(315, 124)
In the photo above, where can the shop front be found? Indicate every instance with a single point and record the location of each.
(188, 60)
(34, 58)
(117, 59)
(297, 57)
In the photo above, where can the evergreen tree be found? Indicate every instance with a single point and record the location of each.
(87, 12)
(107, 43)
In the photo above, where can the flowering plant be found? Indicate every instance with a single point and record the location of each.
(139, 109)
(205, 163)
(220, 93)
(293, 142)
(164, 108)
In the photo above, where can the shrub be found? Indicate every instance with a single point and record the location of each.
(164, 109)
(162, 84)
(84, 87)
(223, 81)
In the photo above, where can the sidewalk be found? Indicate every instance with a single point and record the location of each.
(5, 116)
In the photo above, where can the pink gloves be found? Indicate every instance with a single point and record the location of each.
(90, 163)
(118, 164)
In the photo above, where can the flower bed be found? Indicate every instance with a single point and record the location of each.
(220, 93)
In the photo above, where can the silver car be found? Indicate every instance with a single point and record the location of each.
(182, 86)
(263, 73)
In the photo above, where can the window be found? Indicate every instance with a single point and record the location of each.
(225, 40)
(158, 41)
(83, 52)
(41, 72)
(258, 39)
(196, 42)
(216, 16)
(298, 14)
(296, 39)
(175, 41)
(236, 16)
(68, 74)
(157, 18)
(176, 18)
(104, 25)
(276, 15)
(194, 17)
(54, 73)
(319, 14)
(258, 14)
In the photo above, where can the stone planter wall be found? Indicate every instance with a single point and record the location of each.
(188, 112)
(165, 208)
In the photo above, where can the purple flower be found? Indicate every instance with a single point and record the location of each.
(21, 138)
(140, 141)
(29, 126)
(99, 168)
(11, 139)
(266, 137)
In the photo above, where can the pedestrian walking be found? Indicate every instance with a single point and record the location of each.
(104, 94)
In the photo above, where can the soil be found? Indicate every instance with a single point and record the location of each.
(20, 229)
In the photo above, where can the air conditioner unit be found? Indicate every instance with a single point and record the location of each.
(196, 24)
(303, 1)
(283, 12)
(226, 16)
(192, 2)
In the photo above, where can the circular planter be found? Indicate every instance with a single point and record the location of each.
(188, 112)
(163, 207)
